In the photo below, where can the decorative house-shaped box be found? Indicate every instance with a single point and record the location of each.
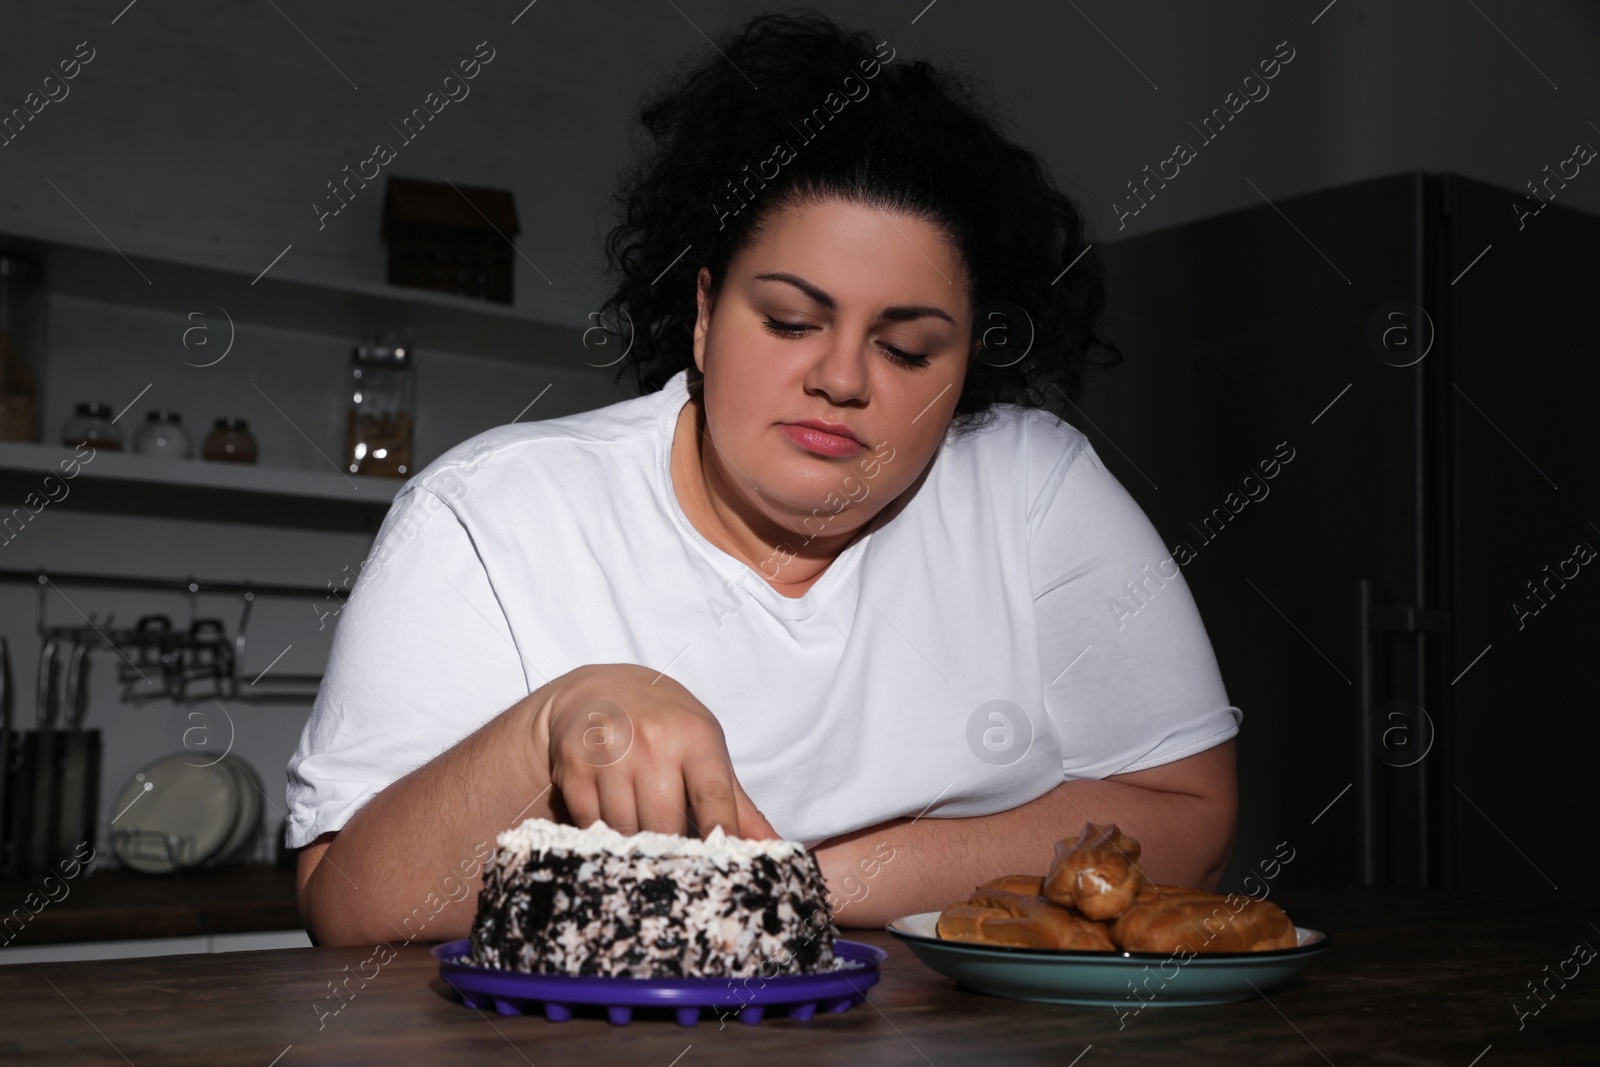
(452, 239)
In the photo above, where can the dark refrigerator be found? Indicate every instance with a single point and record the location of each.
(1405, 608)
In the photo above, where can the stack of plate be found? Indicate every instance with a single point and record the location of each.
(181, 812)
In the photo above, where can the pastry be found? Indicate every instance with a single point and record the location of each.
(1031, 884)
(1026, 920)
(1169, 919)
(1098, 874)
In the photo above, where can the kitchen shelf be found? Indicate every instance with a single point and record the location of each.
(175, 488)
(287, 298)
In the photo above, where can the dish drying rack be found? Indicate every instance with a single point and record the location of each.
(179, 850)
(159, 661)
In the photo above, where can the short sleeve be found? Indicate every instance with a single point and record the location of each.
(422, 657)
(1130, 678)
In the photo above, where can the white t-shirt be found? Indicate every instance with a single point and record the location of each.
(1013, 620)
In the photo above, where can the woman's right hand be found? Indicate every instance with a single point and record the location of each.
(634, 747)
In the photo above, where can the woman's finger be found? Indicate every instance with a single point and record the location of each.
(581, 800)
(617, 806)
(660, 803)
(710, 788)
(751, 822)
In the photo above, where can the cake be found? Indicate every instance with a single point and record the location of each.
(557, 899)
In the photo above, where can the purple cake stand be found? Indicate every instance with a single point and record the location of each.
(801, 995)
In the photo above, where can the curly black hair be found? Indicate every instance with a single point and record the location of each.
(838, 117)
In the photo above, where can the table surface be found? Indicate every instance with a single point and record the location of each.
(1411, 977)
(116, 904)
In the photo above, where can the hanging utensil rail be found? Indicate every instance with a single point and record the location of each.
(184, 660)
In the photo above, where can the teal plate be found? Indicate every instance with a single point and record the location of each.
(1131, 980)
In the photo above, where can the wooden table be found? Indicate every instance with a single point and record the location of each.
(1412, 978)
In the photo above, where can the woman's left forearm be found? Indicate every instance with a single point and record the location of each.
(906, 866)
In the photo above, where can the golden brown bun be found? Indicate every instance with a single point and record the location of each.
(1030, 884)
(1098, 874)
(965, 922)
(1003, 917)
(1170, 919)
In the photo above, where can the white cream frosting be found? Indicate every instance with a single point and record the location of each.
(542, 835)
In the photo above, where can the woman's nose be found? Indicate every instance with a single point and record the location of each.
(840, 371)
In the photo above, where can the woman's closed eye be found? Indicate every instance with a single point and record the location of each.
(787, 329)
(799, 329)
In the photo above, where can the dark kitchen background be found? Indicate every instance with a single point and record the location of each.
(1382, 262)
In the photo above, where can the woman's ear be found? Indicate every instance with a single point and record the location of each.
(702, 322)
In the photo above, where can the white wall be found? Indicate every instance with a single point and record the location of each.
(205, 131)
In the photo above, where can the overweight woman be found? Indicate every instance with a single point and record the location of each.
(839, 573)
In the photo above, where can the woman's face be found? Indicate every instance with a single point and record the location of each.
(843, 315)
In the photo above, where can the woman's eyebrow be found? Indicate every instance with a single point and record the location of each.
(901, 313)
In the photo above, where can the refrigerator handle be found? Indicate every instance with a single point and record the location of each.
(1366, 782)
(1374, 623)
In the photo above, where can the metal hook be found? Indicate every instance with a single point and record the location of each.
(238, 642)
(44, 582)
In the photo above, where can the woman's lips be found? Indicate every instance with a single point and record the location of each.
(821, 442)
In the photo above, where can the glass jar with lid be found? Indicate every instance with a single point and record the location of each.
(230, 441)
(22, 340)
(163, 434)
(378, 429)
(91, 424)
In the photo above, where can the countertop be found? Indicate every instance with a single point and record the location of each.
(115, 904)
(1411, 977)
